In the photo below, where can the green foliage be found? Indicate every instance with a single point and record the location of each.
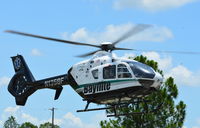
(170, 115)
(111, 124)
(11, 123)
(48, 125)
(28, 125)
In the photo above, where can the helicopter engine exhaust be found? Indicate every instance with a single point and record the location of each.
(23, 84)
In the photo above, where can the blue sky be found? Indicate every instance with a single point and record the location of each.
(176, 26)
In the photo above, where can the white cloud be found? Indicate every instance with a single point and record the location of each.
(12, 110)
(73, 120)
(4, 81)
(150, 5)
(184, 76)
(24, 117)
(35, 52)
(70, 120)
(112, 32)
(28, 118)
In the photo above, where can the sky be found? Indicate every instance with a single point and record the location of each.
(175, 27)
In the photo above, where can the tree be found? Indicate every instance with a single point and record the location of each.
(11, 123)
(48, 125)
(170, 115)
(28, 125)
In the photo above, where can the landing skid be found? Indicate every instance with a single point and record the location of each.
(120, 105)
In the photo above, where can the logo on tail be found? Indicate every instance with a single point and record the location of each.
(17, 63)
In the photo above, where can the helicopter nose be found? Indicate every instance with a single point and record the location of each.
(158, 80)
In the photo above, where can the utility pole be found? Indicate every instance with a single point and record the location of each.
(52, 109)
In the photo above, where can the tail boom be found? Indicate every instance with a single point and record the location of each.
(52, 82)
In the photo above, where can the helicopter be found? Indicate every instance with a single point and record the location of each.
(103, 79)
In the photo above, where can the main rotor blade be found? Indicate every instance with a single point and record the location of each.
(88, 54)
(134, 30)
(176, 52)
(53, 39)
(122, 49)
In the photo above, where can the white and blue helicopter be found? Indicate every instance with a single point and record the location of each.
(102, 79)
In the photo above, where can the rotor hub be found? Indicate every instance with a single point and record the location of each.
(107, 46)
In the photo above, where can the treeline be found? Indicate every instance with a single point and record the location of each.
(12, 123)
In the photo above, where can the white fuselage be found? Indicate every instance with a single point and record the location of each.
(104, 73)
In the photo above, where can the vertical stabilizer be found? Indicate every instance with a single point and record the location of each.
(18, 85)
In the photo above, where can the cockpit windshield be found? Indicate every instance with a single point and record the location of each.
(141, 70)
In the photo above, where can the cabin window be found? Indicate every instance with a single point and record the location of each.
(109, 72)
(122, 71)
(95, 74)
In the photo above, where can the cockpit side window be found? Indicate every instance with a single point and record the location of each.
(109, 72)
(95, 74)
(122, 71)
